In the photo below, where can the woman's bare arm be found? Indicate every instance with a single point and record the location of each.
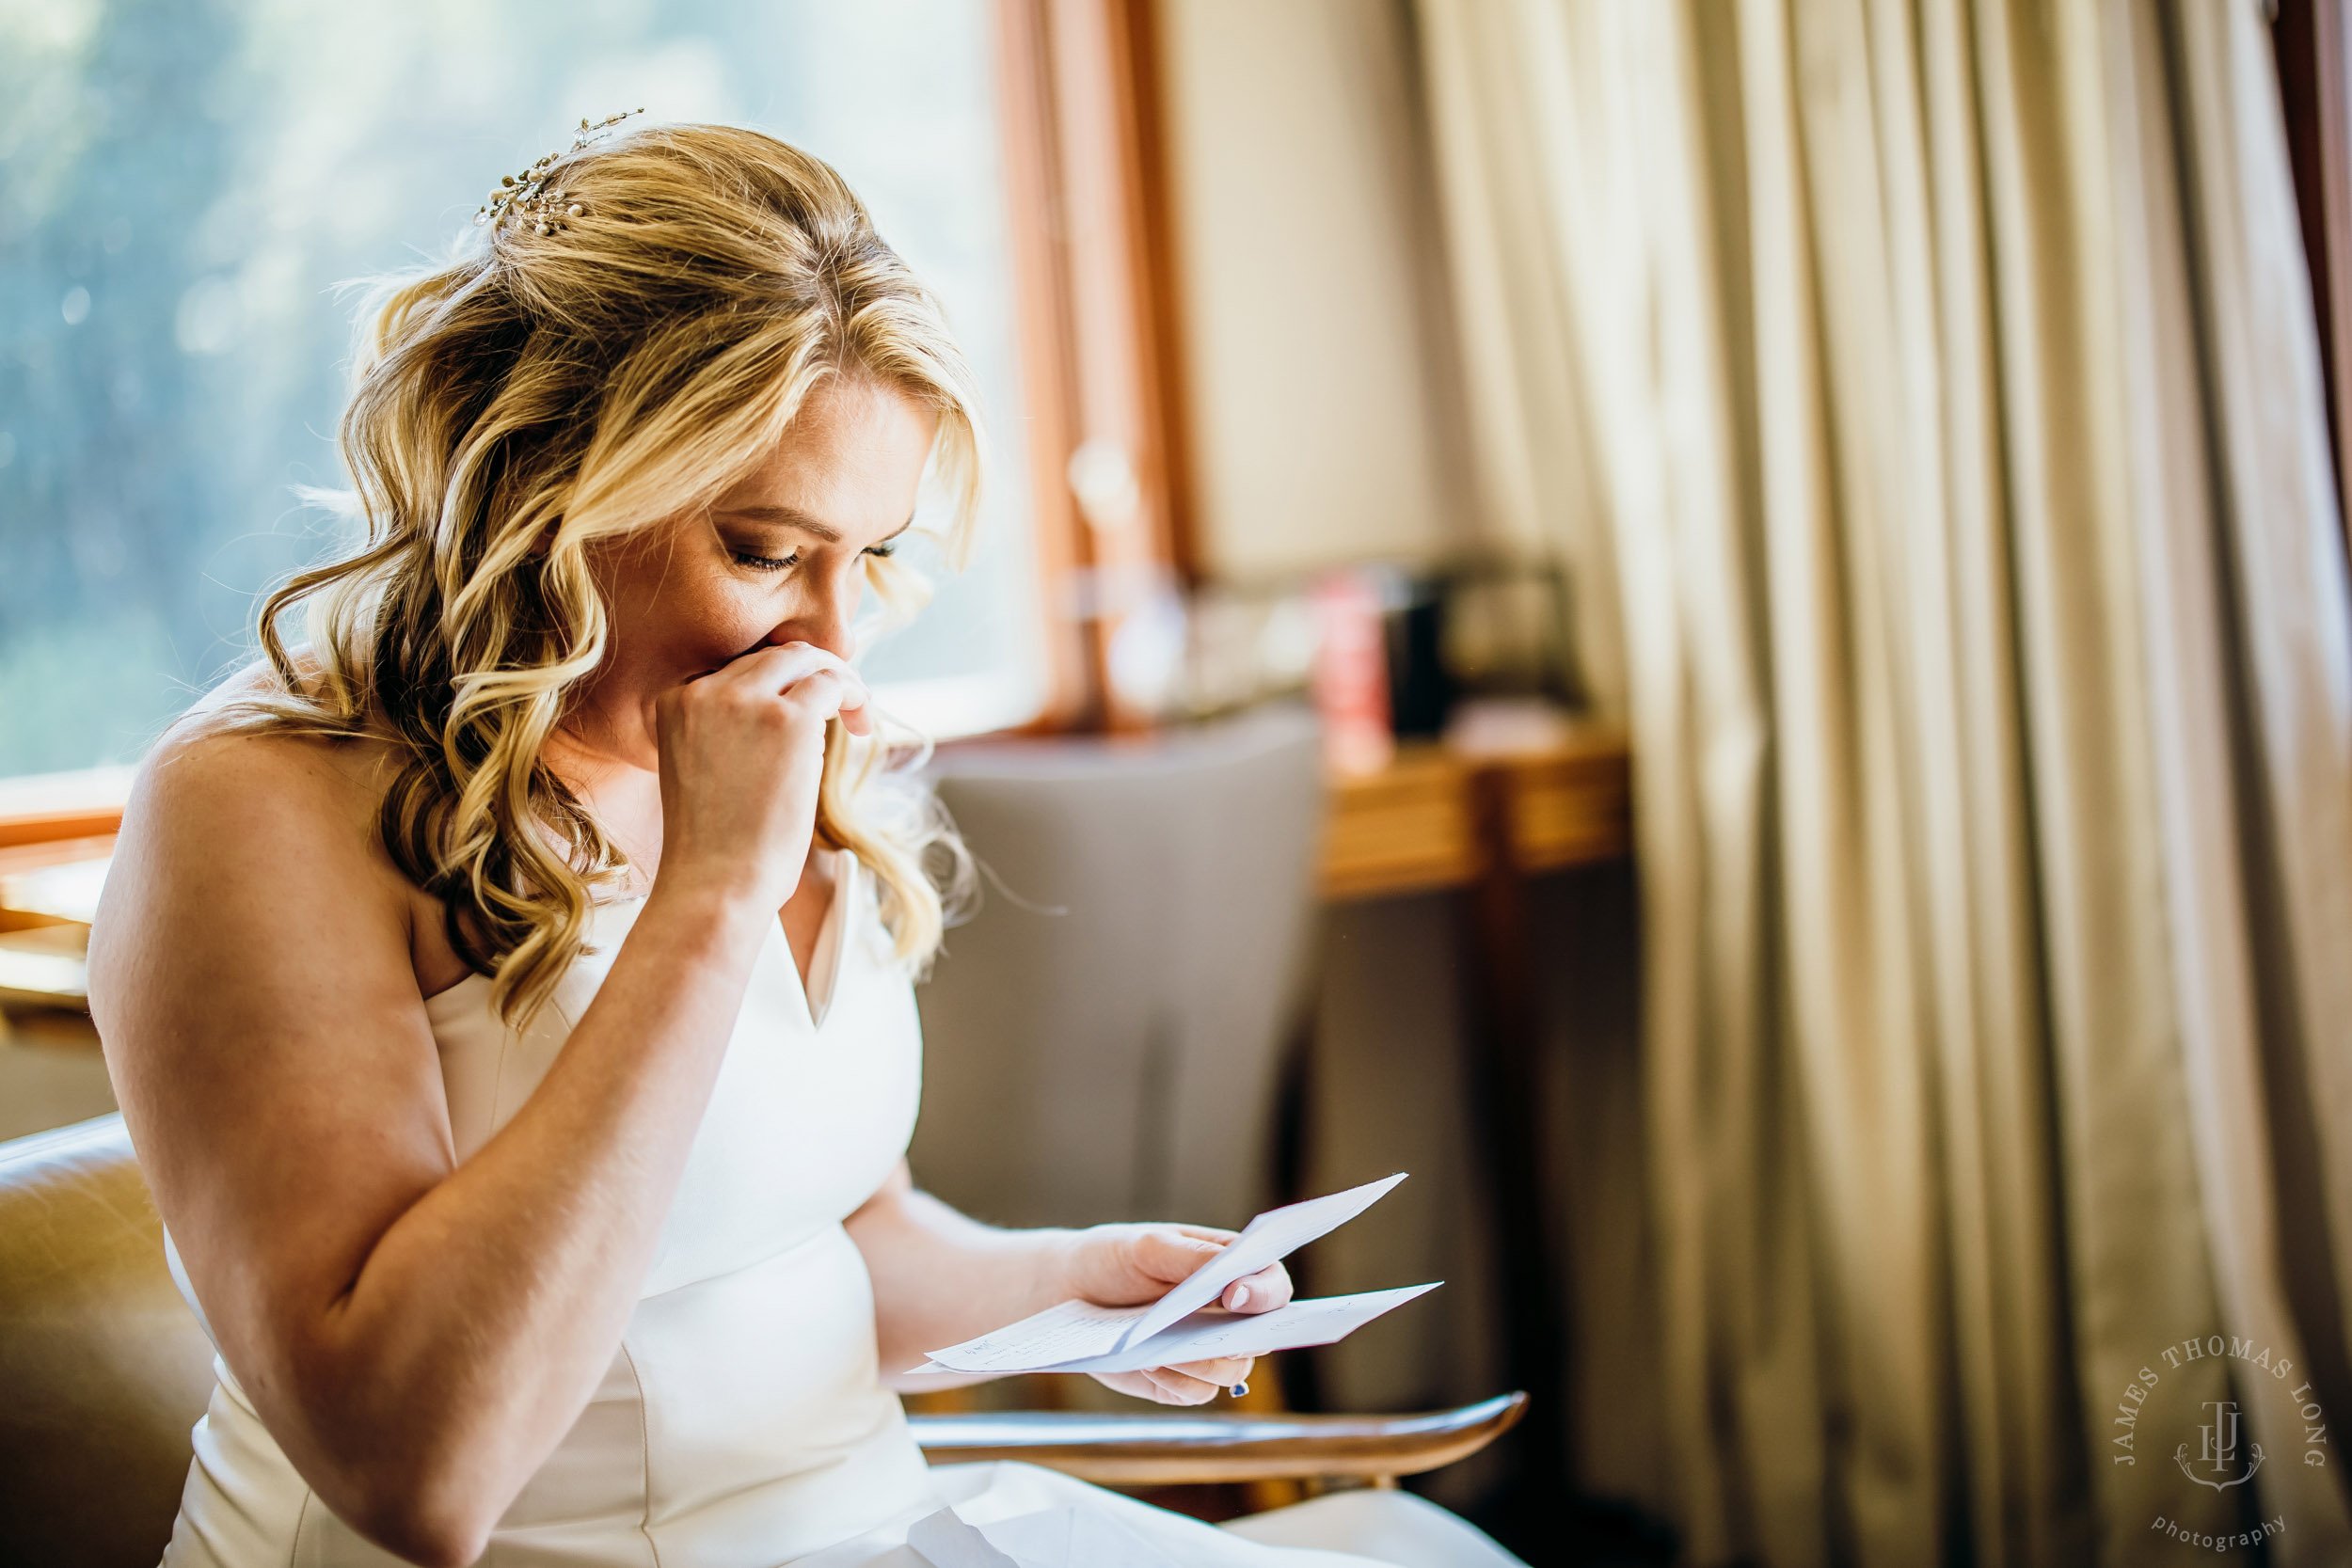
(418, 1334)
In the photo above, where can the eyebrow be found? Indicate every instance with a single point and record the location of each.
(792, 517)
(786, 516)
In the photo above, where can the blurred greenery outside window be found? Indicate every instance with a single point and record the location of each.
(183, 184)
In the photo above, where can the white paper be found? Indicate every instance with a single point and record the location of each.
(1080, 1331)
(1065, 1332)
(1270, 1238)
(1207, 1336)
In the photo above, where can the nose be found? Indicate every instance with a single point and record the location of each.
(826, 611)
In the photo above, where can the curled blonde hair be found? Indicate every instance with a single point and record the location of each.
(549, 390)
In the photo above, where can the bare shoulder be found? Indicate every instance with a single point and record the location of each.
(247, 836)
(257, 791)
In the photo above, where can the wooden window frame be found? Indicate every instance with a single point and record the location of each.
(1085, 159)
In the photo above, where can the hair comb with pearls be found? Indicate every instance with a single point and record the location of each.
(525, 198)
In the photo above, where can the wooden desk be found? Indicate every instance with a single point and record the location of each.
(1415, 826)
(1434, 819)
(55, 836)
(47, 894)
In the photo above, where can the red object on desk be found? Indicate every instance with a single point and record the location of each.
(1351, 676)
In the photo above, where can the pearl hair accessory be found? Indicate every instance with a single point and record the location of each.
(524, 197)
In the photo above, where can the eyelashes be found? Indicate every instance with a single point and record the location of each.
(882, 551)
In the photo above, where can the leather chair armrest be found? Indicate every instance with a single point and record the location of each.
(1176, 1450)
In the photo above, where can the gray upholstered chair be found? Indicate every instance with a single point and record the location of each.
(1101, 1040)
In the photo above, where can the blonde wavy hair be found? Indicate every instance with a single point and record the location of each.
(544, 392)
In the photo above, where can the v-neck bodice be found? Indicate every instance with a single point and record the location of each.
(824, 963)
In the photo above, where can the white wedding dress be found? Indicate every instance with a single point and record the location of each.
(743, 1422)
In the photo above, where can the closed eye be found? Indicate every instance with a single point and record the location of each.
(754, 561)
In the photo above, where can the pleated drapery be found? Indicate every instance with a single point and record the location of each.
(1938, 386)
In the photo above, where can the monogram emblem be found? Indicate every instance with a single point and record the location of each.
(2219, 1453)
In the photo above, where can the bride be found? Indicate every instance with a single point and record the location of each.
(509, 990)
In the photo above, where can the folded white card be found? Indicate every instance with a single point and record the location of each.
(1071, 1332)
(1216, 1333)
(1079, 1335)
(1208, 1335)
(1269, 1239)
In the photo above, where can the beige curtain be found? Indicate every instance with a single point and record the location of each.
(1945, 375)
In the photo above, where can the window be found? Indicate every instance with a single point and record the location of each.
(183, 186)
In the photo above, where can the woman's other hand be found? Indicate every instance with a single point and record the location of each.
(742, 753)
(1126, 1265)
